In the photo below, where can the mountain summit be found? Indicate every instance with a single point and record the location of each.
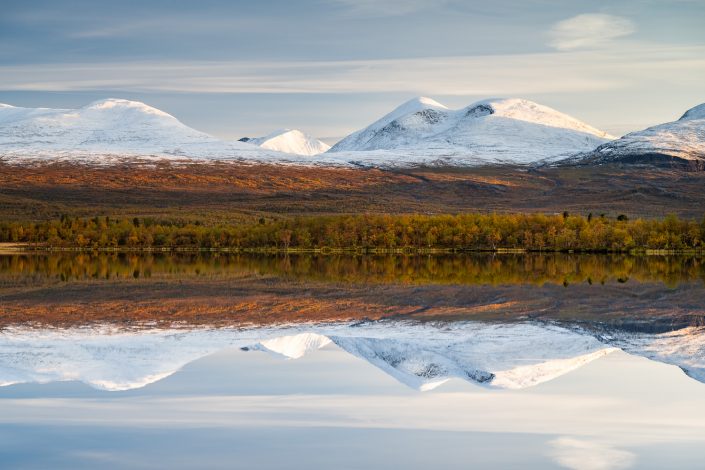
(494, 130)
(290, 141)
(107, 127)
(679, 143)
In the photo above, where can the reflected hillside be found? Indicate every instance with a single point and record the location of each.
(475, 269)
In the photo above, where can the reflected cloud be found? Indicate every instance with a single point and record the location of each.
(580, 454)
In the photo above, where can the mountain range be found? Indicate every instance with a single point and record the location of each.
(419, 132)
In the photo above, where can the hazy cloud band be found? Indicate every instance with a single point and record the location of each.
(557, 72)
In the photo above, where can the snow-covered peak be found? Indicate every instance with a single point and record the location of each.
(412, 106)
(529, 111)
(679, 143)
(117, 105)
(696, 112)
(498, 130)
(4, 105)
(291, 141)
(425, 102)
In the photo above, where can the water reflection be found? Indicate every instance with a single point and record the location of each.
(465, 269)
(345, 394)
(422, 356)
(571, 391)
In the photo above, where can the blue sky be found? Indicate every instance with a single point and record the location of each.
(330, 67)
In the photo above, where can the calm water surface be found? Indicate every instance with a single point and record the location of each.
(394, 393)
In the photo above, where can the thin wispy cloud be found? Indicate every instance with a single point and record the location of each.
(511, 75)
(384, 8)
(589, 31)
(117, 30)
(107, 28)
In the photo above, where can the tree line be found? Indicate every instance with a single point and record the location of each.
(534, 232)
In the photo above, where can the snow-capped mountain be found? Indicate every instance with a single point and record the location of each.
(290, 141)
(681, 142)
(371, 137)
(421, 131)
(424, 131)
(109, 127)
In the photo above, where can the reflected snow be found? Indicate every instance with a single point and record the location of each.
(422, 356)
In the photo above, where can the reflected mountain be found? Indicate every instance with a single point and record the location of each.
(684, 348)
(421, 356)
(499, 356)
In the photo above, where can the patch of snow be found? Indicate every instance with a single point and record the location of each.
(527, 376)
(294, 346)
(696, 112)
(291, 141)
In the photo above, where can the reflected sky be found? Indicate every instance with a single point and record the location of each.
(237, 409)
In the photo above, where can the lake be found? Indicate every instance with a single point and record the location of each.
(455, 361)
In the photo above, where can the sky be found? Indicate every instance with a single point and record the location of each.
(330, 67)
